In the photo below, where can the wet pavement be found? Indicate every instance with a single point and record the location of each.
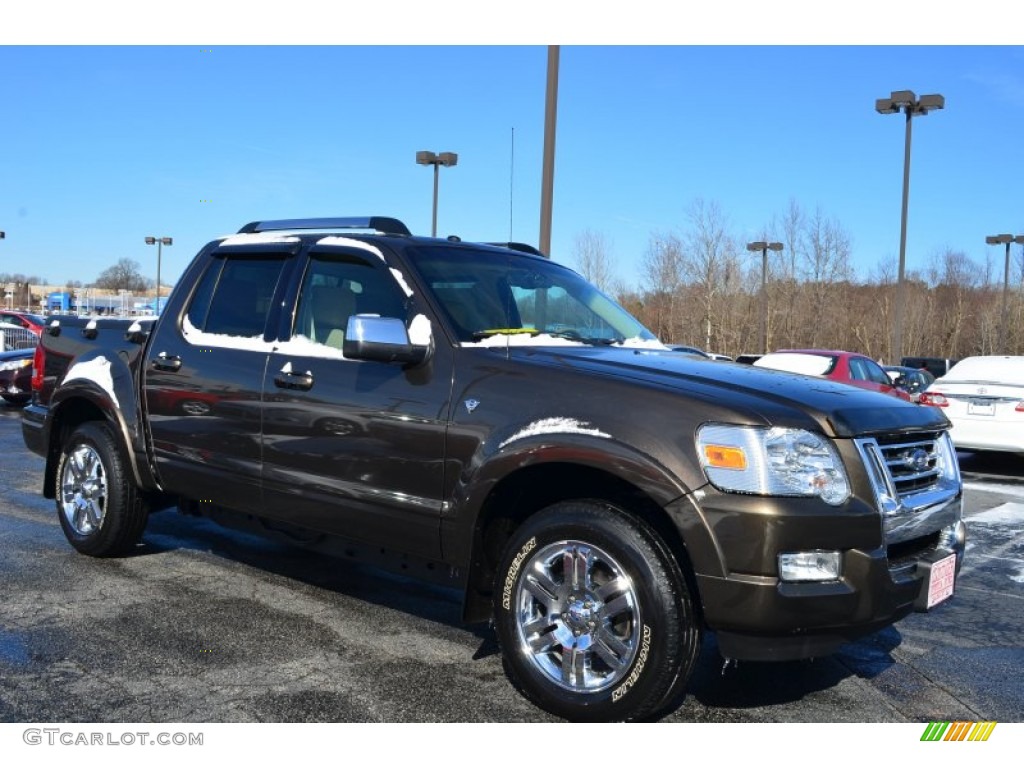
(206, 624)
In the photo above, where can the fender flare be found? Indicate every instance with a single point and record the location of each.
(117, 401)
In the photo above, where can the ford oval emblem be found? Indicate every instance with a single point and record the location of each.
(917, 459)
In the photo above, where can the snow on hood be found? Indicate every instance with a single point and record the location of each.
(638, 343)
(523, 340)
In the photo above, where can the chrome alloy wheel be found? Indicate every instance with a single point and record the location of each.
(83, 488)
(578, 616)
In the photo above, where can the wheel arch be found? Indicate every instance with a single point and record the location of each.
(88, 403)
(527, 490)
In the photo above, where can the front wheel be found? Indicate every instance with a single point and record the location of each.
(594, 617)
(99, 507)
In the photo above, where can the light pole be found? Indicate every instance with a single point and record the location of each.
(996, 240)
(159, 242)
(447, 159)
(764, 247)
(547, 185)
(907, 102)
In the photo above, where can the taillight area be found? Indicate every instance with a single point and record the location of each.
(934, 398)
(1020, 407)
(38, 368)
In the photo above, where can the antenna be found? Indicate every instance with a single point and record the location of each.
(511, 181)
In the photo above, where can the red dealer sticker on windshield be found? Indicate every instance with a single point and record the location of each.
(941, 580)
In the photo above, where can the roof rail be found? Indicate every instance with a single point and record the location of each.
(383, 224)
(524, 247)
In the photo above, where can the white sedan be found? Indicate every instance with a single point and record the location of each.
(984, 399)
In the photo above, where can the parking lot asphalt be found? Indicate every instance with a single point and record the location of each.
(206, 624)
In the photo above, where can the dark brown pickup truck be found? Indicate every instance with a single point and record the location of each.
(483, 415)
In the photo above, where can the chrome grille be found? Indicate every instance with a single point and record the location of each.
(912, 465)
(916, 480)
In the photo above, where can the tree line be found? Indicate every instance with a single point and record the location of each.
(702, 287)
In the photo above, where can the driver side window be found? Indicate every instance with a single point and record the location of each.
(334, 288)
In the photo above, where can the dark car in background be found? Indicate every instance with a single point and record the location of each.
(913, 381)
(936, 366)
(16, 375)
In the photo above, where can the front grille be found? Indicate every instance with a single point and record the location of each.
(913, 465)
(916, 480)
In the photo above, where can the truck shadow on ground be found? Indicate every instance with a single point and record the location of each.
(168, 530)
(714, 685)
(751, 684)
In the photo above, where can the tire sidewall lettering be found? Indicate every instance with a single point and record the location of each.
(513, 572)
(638, 669)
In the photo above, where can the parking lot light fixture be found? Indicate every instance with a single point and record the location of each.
(997, 240)
(159, 242)
(436, 159)
(908, 103)
(764, 246)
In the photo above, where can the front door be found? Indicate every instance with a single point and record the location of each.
(354, 447)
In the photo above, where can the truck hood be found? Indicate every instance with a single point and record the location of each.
(840, 410)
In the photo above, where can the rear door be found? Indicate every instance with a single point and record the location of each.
(204, 376)
(354, 447)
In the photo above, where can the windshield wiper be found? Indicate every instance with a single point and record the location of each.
(486, 334)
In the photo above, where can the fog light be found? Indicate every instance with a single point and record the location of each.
(810, 566)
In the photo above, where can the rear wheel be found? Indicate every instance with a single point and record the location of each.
(594, 617)
(99, 507)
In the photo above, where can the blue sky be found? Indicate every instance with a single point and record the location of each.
(103, 145)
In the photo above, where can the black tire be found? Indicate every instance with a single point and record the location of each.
(99, 507)
(625, 613)
(18, 400)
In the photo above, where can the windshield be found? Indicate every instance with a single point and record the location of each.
(497, 297)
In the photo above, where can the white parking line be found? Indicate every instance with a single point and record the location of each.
(1010, 514)
(1017, 491)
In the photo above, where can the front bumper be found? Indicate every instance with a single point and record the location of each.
(886, 561)
(769, 620)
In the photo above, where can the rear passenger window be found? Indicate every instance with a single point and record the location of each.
(235, 295)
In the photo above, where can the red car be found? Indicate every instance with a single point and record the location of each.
(847, 367)
(34, 323)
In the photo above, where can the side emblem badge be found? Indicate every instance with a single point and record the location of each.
(472, 405)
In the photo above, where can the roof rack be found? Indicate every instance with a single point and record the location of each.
(524, 247)
(383, 224)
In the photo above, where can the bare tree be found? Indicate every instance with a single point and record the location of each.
(710, 262)
(663, 278)
(124, 275)
(592, 255)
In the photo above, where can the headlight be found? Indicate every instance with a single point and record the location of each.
(14, 365)
(772, 462)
